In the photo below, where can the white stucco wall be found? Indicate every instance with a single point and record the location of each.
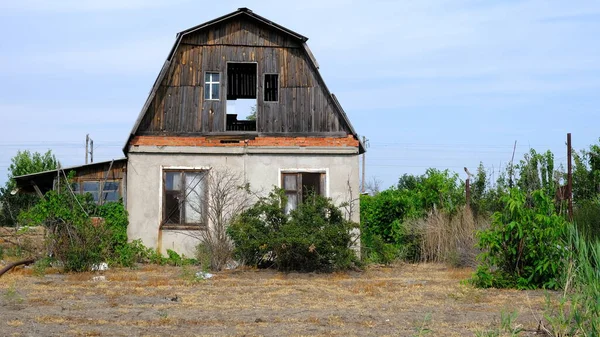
(261, 167)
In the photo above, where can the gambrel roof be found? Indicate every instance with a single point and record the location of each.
(242, 13)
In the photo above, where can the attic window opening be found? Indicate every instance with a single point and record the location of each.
(271, 88)
(211, 86)
(241, 96)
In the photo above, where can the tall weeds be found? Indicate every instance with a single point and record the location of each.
(448, 238)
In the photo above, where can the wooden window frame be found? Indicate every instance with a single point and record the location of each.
(265, 89)
(183, 226)
(210, 85)
(323, 182)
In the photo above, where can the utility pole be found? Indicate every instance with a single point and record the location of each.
(89, 149)
(569, 178)
(362, 188)
(512, 170)
(468, 187)
(87, 143)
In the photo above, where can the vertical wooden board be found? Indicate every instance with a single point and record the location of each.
(168, 108)
(285, 108)
(205, 115)
(305, 116)
(160, 112)
(192, 67)
(177, 110)
(199, 73)
(185, 109)
(318, 121)
(311, 107)
(183, 66)
(282, 68)
(197, 109)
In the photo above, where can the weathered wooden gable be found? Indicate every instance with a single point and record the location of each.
(304, 104)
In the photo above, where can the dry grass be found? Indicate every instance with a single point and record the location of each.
(157, 301)
(448, 238)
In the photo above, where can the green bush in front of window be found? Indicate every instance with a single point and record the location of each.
(313, 237)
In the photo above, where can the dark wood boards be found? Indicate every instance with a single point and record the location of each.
(303, 105)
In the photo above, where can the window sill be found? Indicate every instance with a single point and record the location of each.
(183, 227)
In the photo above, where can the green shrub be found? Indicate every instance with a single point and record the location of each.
(385, 216)
(524, 246)
(586, 215)
(74, 239)
(315, 236)
(379, 251)
(577, 311)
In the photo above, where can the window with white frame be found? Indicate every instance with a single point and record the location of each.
(211, 85)
(184, 197)
(300, 185)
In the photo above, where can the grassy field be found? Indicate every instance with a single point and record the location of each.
(404, 300)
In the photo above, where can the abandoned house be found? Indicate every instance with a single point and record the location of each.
(240, 93)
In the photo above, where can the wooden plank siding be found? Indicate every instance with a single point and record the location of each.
(86, 173)
(179, 106)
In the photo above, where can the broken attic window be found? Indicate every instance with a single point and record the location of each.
(271, 88)
(241, 96)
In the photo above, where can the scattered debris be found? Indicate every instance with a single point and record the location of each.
(204, 275)
(100, 267)
(14, 264)
(232, 265)
(100, 278)
(175, 299)
(258, 320)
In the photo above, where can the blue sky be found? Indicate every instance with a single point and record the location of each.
(430, 83)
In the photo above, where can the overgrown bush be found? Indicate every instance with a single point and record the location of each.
(577, 311)
(524, 246)
(384, 217)
(586, 215)
(313, 237)
(80, 233)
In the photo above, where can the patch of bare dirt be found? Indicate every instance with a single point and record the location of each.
(405, 300)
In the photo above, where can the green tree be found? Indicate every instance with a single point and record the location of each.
(24, 162)
(586, 174)
(523, 247)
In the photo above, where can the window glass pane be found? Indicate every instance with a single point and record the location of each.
(110, 196)
(207, 91)
(311, 184)
(215, 91)
(194, 200)
(111, 186)
(90, 186)
(76, 188)
(215, 77)
(290, 182)
(207, 77)
(292, 202)
(173, 181)
(172, 207)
